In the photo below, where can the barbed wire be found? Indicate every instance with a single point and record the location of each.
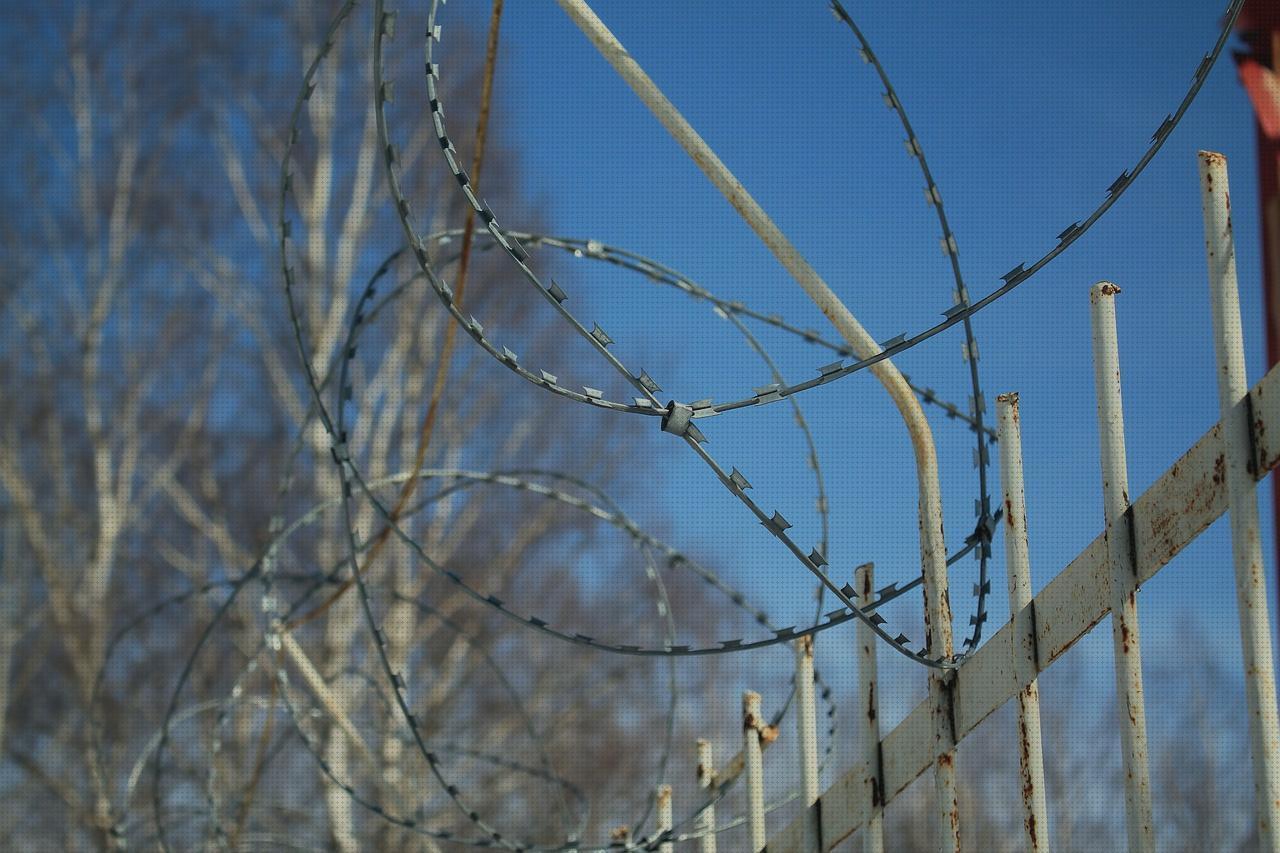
(680, 419)
(464, 479)
(676, 419)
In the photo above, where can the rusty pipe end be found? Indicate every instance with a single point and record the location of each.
(1101, 289)
(1212, 158)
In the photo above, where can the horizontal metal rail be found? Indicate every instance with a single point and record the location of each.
(1177, 508)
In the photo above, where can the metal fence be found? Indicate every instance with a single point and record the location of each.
(305, 648)
(968, 680)
(1138, 538)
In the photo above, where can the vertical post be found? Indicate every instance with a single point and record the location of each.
(869, 702)
(807, 730)
(706, 824)
(937, 624)
(751, 725)
(933, 549)
(1242, 502)
(1259, 27)
(1124, 597)
(1026, 664)
(665, 818)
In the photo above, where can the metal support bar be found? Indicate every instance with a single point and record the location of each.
(666, 818)
(869, 716)
(937, 623)
(807, 730)
(1124, 582)
(1242, 503)
(706, 823)
(1026, 663)
(933, 552)
(752, 722)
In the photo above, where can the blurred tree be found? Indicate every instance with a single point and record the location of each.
(157, 418)
(153, 393)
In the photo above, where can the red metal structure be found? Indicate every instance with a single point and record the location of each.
(1259, 28)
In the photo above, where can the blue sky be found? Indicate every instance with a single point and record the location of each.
(1026, 116)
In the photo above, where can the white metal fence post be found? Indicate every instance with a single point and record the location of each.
(933, 551)
(869, 716)
(706, 823)
(1168, 516)
(1026, 664)
(1124, 581)
(752, 723)
(807, 730)
(1242, 503)
(937, 621)
(666, 818)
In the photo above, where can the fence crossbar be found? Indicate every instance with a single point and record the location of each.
(1176, 509)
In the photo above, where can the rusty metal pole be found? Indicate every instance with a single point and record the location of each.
(1259, 27)
(1242, 502)
(1124, 582)
(869, 702)
(752, 723)
(706, 823)
(807, 730)
(1026, 664)
(933, 551)
(666, 818)
(937, 623)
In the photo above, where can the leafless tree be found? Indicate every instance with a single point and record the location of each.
(155, 402)
(158, 420)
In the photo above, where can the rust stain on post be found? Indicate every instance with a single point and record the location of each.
(1120, 559)
(1025, 647)
(1236, 470)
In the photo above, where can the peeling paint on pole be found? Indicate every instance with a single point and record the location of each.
(706, 821)
(807, 731)
(666, 819)
(752, 723)
(869, 715)
(1246, 543)
(938, 642)
(1026, 664)
(1124, 580)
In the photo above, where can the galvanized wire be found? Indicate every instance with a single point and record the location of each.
(680, 419)
(463, 479)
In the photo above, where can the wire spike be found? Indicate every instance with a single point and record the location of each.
(777, 524)
(1119, 183)
(599, 334)
(1014, 275)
